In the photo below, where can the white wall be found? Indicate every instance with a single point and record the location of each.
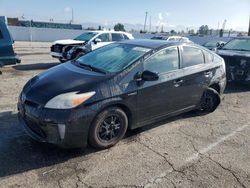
(50, 35)
(42, 34)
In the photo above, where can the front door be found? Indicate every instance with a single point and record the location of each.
(160, 97)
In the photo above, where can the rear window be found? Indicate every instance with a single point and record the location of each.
(125, 37)
(208, 57)
(192, 56)
(117, 37)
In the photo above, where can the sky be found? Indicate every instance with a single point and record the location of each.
(169, 13)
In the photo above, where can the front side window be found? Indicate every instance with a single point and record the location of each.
(117, 37)
(192, 56)
(163, 61)
(86, 36)
(104, 37)
(238, 44)
(113, 57)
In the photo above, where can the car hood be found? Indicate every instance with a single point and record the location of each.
(60, 79)
(233, 53)
(68, 41)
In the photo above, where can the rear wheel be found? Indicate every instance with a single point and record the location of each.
(210, 100)
(108, 128)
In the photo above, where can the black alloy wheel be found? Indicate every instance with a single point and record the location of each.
(210, 100)
(108, 128)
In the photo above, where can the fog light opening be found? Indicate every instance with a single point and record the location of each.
(61, 129)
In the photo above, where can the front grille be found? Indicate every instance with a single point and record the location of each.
(31, 103)
(56, 48)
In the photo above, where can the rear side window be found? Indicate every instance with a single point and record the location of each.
(104, 37)
(209, 58)
(125, 37)
(192, 56)
(117, 37)
(163, 61)
(1, 35)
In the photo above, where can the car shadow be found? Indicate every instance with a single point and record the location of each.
(132, 133)
(236, 88)
(35, 66)
(20, 153)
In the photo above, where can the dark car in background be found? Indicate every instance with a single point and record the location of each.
(236, 54)
(214, 44)
(7, 54)
(126, 85)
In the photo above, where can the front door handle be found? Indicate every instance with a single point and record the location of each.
(178, 82)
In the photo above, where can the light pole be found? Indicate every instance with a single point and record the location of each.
(145, 21)
(249, 26)
(72, 15)
(30, 27)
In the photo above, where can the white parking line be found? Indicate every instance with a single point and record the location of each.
(213, 145)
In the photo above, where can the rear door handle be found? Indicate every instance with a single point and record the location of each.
(208, 73)
(178, 82)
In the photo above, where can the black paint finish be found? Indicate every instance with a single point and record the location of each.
(143, 101)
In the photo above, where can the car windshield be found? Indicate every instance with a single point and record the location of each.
(113, 57)
(238, 44)
(86, 36)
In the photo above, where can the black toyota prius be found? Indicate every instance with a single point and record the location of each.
(121, 86)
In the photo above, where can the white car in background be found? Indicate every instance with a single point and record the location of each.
(72, 48)
(172, 38)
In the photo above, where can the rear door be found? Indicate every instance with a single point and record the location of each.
(195, 72)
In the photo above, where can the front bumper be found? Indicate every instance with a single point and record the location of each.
(57, 55)
(10, 60)
(65, 128)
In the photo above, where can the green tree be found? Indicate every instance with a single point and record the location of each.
(119, 27)
(173, 31)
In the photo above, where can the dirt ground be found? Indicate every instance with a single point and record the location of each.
(190, 150)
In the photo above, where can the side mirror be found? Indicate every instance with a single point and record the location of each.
(97, 40)
(149, 76)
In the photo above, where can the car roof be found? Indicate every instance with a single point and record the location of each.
(148, 43)
(98, 31)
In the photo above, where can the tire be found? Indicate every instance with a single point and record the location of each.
(210, 100)
(79, 54)
(101, 135)
(62, 60)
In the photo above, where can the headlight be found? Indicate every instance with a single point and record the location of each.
(68, 100)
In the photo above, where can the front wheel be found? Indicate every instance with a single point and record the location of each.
(210, 100)
(62, 60)
(108, 128)
(79, 54)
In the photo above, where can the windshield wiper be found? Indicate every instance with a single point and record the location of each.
(92, 68)
(242, 50)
